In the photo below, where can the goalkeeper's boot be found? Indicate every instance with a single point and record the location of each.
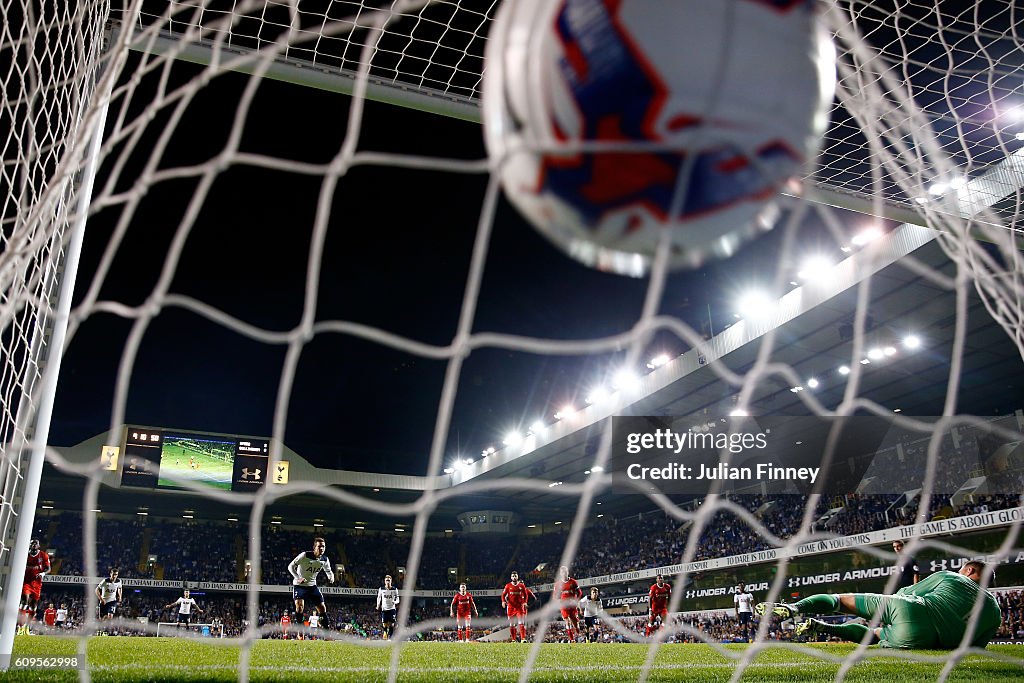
(808, 627)
(779, 609)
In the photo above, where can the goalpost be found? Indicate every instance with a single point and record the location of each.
(926, 130)
(50, 157)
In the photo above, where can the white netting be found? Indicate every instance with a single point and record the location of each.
(923, 132)
(51, 55)
(174, 629)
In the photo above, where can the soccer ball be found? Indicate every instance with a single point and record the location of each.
(616, 124)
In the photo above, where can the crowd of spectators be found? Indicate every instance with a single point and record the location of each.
(1011, 603)
(196, 551)
(117, 543)
(193, 551)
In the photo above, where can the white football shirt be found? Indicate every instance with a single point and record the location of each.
(314, 620)
(108, 590)
(185, 605)
(387, 598)
(744, 602)
(304, 569)
(591, 608)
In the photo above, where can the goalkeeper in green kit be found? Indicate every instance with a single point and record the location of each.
(931, 614)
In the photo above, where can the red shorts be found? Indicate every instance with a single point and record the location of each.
(32, 589)
(463, 617)
(571, 613)
(659, 612)
(516, 611)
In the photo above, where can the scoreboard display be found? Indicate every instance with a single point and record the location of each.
(168, 459)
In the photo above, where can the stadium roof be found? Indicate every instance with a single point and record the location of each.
(812, 329)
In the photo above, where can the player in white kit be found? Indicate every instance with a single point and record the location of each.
(743, 604)
(591, 606)
(185, 606)
(109, 594)
(387, 603)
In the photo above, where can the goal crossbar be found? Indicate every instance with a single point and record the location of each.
(305, 73)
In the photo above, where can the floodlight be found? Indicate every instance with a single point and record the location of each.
(865, 236)
(657, 361)
(815, 268)
(625, 380)
(754, 304)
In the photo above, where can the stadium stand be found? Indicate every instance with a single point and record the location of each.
(206, 551)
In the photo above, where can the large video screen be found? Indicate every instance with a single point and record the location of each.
(203, 460)
(167, 459)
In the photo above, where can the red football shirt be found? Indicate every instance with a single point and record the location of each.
(516, 595)
(50, 616)
(40, 562)
(659, 596)
(568, 590)
(463, 604)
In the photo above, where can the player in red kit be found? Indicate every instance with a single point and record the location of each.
(514, 598)
(50, 617)
(461, 609)
(568, 591)
(36, 567)
(659, 595)
(286, 621)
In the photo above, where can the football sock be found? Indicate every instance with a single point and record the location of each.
(522, 632)
(852, 632)
(647, 632)
(818, 604)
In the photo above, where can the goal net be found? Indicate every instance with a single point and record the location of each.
(173, 629)
(265, 194)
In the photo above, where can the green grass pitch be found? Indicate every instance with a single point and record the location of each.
(174, 659)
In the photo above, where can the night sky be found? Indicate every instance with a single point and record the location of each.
(397, 257)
